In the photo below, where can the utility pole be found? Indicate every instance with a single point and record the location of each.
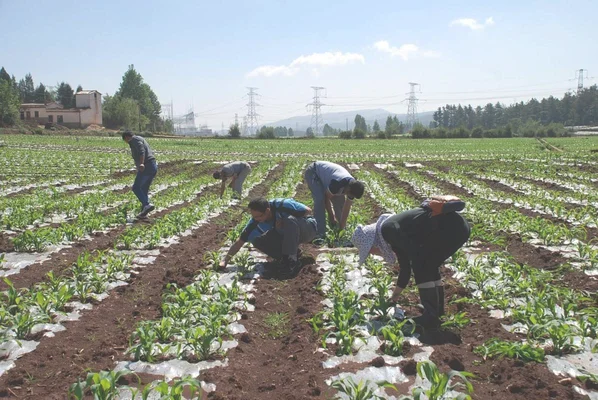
(579, 74)
(316, 116)
(252, 124)
(412, 106)
(236, 119)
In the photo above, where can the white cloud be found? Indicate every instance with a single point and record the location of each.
(327, 59)
(472, 23)
(271, 70)
(405, 51)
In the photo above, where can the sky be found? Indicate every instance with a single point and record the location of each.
(202, 55)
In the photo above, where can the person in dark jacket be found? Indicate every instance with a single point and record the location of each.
(420, 240)
(276, 228)
(147, 168)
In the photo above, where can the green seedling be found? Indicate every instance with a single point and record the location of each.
(496, 348)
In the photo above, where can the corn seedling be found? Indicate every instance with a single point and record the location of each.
(102, 385)
(361, 390)
(441, 384)
(496, 348)
(459, 320)
(560, 332)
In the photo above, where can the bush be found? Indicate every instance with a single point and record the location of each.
(381, 135)
(345, 135)
(359, 133)
(38, 131)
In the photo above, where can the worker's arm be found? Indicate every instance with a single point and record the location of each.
(345, 213)
(222, 187)
(328, 205)
(234, 249)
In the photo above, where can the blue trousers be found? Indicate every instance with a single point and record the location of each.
(318, 194)
(143, 180)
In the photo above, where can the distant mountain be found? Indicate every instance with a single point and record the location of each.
(338, 120)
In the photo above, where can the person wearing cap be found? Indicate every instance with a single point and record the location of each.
(147, 168)
(276, 228)
(238, 171)
(333, 190)
(420, 240)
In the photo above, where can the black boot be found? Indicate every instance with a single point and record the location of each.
(440, 290)
(429, 319)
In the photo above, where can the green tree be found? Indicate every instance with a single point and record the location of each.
(119, 112)
(309, 132)
(65, 95)
(42, 95)
(79, 88)
(267, 132)
(133, 87)
(27, 89)
(4, 75)
(9, 103)
(291, 133)
(234, 131)
(376, 126)
(360, 123)
(328, 130)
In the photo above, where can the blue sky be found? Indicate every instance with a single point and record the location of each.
(204, 54)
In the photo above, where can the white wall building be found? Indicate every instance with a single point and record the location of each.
(87, 111)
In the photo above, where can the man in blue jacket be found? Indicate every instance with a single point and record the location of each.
(147, 168)
(276, 228)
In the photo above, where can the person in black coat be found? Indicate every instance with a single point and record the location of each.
(420, 240)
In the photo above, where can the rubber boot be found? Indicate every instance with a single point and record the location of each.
(440, 290)
(429, 319)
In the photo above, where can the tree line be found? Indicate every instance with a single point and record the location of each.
(13, 94)
(134, 106)
(571, 110)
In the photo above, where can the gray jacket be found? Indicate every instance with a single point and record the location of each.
(139, 148)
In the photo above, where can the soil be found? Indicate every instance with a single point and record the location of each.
(264, 367)
(60, 262)
(101, 336)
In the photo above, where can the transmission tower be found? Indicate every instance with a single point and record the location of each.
(236, 119)
(412, 107)
(316, 115)
(252, 124)
(579, 74)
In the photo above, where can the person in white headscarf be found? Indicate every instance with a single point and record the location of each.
(420, 240)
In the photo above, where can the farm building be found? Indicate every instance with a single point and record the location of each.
(87, 111)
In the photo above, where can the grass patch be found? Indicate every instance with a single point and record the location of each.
(277, 324)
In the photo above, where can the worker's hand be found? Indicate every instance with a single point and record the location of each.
(222, 264)
(279, 223)
(308, 211)
(396, 294)
(141, 167)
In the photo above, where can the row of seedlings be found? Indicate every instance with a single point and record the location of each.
(559, 319)
(536, 231)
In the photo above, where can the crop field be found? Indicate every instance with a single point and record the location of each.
(93, 306)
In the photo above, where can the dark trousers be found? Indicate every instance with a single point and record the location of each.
(285, 242)
(143, 180)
